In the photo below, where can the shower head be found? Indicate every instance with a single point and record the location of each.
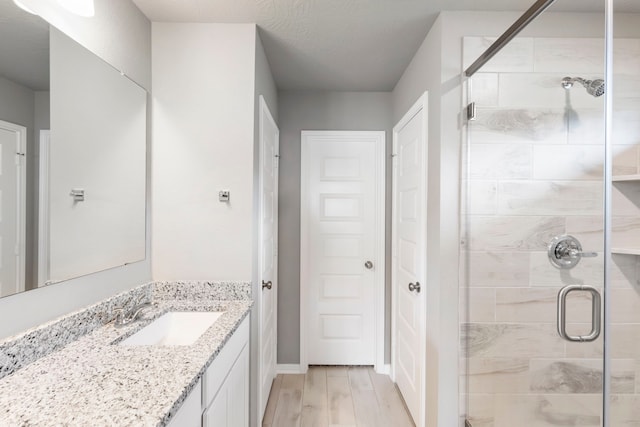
(594, 87)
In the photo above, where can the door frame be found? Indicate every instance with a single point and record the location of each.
(420, 106)
(43, 208)
(265, 114)
(380, 270)
(21, 206)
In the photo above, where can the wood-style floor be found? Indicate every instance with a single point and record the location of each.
(335, 396)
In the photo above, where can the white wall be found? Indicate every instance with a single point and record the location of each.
(203, 142)
(316, 111)
(122, 35)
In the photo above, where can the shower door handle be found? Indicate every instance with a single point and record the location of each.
(596, 303)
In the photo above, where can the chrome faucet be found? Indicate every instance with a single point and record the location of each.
(124, 317)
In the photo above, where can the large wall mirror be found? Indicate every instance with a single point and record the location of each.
(72, 158)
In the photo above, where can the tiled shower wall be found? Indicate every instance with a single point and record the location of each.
(535, 171)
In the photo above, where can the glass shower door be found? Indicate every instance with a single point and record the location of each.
(532, 225)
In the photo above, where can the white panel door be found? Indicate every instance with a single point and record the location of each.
(409, 258)
(12, 205)
(269, 137)
(341, 208)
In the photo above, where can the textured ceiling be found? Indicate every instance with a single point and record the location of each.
(338, 44)
(24, 47)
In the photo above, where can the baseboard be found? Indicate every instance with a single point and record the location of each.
(289, 369)
(384, 369)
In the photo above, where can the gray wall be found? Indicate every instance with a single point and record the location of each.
(121, 34)
(318, 111)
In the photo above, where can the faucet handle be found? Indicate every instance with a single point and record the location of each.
(118, 315)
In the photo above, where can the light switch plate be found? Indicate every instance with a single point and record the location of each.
(223, 195)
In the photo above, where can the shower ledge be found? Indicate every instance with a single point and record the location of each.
(621, 178)
(625, 251)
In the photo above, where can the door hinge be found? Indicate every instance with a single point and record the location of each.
(467, 423)
(471, 111)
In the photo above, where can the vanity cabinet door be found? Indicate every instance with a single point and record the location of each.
(230, 407)
(239, 391)
(189, 413)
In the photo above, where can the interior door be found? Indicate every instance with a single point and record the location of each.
(12, 207)
(340, 245)
(409, 257)
(269, 142)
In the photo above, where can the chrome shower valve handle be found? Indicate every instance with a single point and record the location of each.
(566, 252)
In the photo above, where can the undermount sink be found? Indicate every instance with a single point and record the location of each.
(174, 328)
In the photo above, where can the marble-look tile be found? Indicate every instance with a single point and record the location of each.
(513, 233)
(548, 410)
(570, 162)
(517, 56)
(498, 375)
(624, 341)
(625, 306)
(483, 89)
(584, 350)
(571, 55)
(581, 376)
(626, 56)
(626, 127)
(565, 376)
(626, 86)
(481, 412)
(539, 305)
(518, 125)
(478, 305)
(625, 159)
(626, 104)
(540, 90)
(481, 198)
(549, 198)
(498, 269)
(588, 230)
(544, 274)
(506, 161)
(624, 410)
(625, 232)
(510, 340)
(586, 126)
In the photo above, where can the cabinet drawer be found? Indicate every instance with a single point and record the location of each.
(216, 373)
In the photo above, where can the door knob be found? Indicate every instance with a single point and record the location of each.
(414, 287)
(368, 265)
(267, 285)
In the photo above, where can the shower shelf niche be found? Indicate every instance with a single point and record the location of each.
(626, 231)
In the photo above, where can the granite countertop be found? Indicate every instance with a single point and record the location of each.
(94, 382)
